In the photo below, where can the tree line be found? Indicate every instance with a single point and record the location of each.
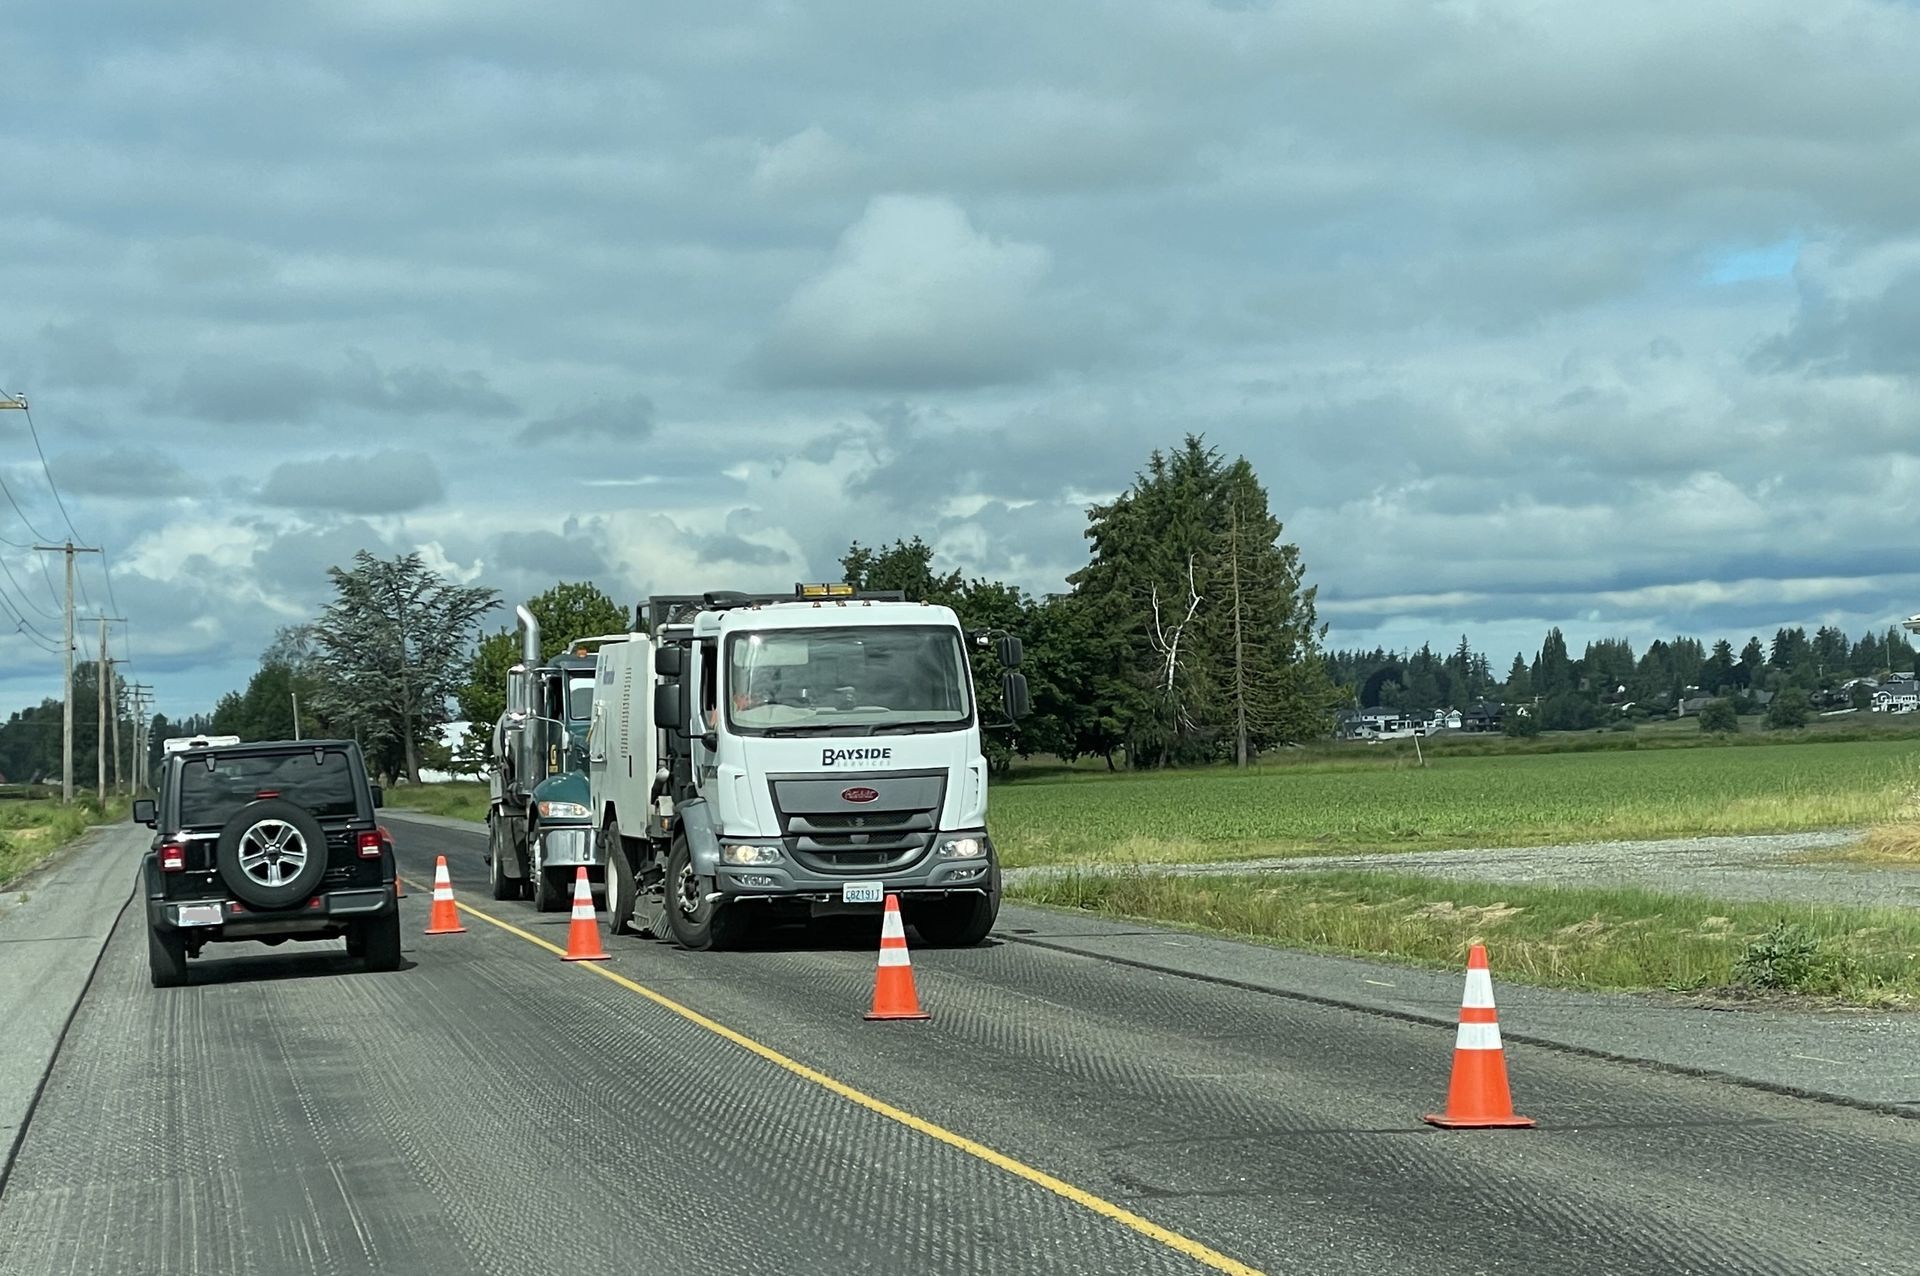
(1610, 680)
(1189, 635)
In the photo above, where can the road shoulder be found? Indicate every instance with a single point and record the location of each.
(1869, 1059)
(54, 924)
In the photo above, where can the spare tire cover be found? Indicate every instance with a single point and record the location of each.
(272, 853)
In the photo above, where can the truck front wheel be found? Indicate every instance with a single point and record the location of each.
(698, 924)
(955, 921)
(502, 886)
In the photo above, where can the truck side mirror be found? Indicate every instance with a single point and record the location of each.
(1009, 650)
(669, 661)
(1014, 696)
(145, 812)
(670, 707)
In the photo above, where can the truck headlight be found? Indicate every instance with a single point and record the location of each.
(963, 848)
(563, 811)
(741, 853)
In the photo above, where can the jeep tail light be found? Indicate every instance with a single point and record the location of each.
(173, 857)
(370, 844)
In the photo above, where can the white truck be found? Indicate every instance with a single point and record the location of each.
(759, 757)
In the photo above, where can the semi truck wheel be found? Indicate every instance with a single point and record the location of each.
(502, 886)
(697, 924)
(548, 893)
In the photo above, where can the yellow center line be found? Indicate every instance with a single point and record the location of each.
(1040, 1178)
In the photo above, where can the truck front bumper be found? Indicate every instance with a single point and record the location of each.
(933, 873)
(570, 846)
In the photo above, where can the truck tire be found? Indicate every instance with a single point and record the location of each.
(548, 894)
(619, 878)
(379, 941)
(272, 853)
(955, 921)
(697, 925)
(166, 957)
(502, 886)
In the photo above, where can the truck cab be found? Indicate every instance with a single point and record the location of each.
(538, 819)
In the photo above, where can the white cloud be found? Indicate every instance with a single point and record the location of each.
(915, 297)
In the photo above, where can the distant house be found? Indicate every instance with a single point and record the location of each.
(1446, 720)
(1484, 717)
(1761, 699)
(1896, 697)
(1691, 706)
(1380, 724)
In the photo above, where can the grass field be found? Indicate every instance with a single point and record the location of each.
(31, 831)
(1586, 937)
(460, 799)
(1361, 804)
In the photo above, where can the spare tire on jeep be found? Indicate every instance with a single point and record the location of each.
(272, 853)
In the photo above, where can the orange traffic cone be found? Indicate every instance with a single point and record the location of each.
(893, 994)
(1477, 1098)
(583, 935)
(445, 918)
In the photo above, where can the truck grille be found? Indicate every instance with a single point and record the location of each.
(825, 832)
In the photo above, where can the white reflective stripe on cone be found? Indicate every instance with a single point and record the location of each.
(894, 957)
(892, 927)
(1479, 990)
(1477, 1036)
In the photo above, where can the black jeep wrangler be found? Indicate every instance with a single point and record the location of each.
(266, 842)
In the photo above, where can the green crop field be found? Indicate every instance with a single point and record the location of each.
(1218, 815)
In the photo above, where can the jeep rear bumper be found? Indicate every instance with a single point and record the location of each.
(326, 912)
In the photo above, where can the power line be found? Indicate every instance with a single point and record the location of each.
(24, 596)
(44, 468)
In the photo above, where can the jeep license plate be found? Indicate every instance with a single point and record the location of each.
(862, 892)
(200, 914)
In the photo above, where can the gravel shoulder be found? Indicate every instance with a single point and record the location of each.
(1757, 867)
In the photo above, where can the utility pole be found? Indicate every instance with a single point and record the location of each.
(142, 731)
(113, 689)
(102, 688)
(66, 730)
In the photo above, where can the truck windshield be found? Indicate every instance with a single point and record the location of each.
(580, 697)
(213, 794)
(858, 677)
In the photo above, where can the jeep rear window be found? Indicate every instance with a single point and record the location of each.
(324, 786)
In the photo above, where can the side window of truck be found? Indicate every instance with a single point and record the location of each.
(709, 681)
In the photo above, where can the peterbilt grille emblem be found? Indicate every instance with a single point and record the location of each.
(859, 795)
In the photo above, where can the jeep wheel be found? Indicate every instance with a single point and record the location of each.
(698, 924)
(955, 921)
(379, 941)
(166, 957)
(272, 853)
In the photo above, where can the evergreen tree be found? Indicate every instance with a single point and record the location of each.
(1716, 675)
(1519, 680)
(1552, 670)
(1752, 660)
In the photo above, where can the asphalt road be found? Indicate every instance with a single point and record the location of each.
(493, 1109)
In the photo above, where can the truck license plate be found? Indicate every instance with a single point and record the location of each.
(862, 892)
(200, 914)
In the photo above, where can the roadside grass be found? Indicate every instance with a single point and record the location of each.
(31, 831)
(457, 799)
(1361, 804)
(1616, 938)
(1892, 845)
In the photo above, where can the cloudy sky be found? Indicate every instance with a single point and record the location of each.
(1527, 313)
